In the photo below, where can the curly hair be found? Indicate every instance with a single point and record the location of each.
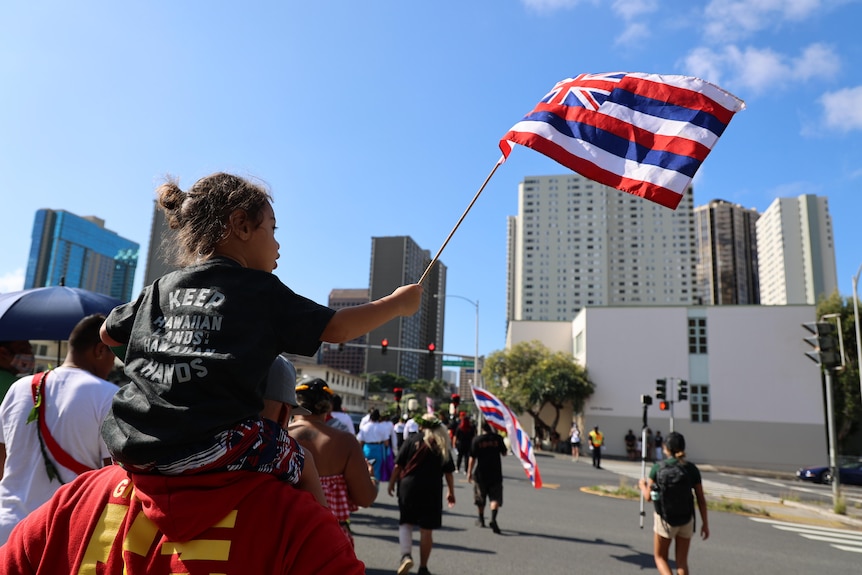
(198, 218)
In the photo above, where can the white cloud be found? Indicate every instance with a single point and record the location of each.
(729, 20)
(634, 34)
(631, 9)
(12, 281)
(842, 110)
(759, 69)
(633, 13)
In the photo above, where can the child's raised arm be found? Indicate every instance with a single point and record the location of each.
(351, 322)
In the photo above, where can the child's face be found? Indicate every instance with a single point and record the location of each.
(264, 247)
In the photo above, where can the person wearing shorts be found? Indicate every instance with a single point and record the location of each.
(486, 473)
(674, 449)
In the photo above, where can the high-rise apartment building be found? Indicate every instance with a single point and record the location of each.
(577, 243)
(347, 358)
(796, 251)
(396, 261)
(77, 251)
(726, 236)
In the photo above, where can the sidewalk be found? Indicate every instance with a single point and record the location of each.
(774, 507)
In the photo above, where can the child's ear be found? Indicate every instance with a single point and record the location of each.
(239, 224)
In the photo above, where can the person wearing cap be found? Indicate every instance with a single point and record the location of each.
(279, 404)
(219, 522)
(674, 450)
(345, 475)
(423, 462)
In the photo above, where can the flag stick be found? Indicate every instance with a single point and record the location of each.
(643, 464)
(452, 233)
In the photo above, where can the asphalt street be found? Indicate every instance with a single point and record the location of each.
(564, 528)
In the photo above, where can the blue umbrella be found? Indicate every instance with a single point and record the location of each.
(49, 313)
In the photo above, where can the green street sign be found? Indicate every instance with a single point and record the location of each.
(458, 362)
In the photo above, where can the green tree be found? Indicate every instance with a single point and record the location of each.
(528, 376)
(380, 382)
(846, 392)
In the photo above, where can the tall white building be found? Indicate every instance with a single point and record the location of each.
(577, 243)
(796, 251)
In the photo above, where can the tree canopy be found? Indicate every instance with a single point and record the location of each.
(529, 376)
(846, 393)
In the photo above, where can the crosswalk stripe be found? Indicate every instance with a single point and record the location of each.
(841, 539)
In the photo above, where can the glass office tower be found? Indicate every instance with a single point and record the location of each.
(79, 252)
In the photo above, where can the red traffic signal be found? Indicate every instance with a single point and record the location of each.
(431, 348)
(397, 391)
(384, 345)
(663, 405)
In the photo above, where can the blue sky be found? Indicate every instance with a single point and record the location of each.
(383, 118)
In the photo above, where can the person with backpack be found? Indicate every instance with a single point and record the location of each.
(670, 487)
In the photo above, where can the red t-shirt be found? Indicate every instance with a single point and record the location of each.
(234, 522)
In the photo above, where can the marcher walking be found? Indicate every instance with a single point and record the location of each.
(485, 471)
(575, 441)
(597, 439)
(670, 486)
(423, 462)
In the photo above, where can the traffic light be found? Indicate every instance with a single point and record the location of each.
(384, 345)
(683, 390)
(663, 405)
(661, 389)
(824, 342)
(397, 391)
(340, 347)
(431, 348)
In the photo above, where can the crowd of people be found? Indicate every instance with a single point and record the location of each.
(212, 431)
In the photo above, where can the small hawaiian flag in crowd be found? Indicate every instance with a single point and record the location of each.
(501, 417)
(646, 134)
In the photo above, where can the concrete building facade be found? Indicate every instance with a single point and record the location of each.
(576, 243)
(397, 261)
(796, 251)
(754, 397)
(727, 268)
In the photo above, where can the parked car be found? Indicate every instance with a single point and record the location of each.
(849, 474)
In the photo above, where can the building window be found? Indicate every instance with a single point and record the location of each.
(697, 335)
(698, 399)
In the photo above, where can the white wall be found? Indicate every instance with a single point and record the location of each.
(766, 407)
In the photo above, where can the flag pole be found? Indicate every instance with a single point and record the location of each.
(476, 197)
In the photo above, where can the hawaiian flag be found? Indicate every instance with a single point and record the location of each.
(499, 416)
(646, 134)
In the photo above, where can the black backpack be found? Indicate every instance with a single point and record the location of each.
(675, 502)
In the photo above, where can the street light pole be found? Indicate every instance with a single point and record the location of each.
(476, 351)
(856, 321)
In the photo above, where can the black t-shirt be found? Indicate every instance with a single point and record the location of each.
(487, 450)
(200, 343)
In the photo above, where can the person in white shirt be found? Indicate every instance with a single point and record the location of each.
(74, 400)
(339, 414)
(375, 436)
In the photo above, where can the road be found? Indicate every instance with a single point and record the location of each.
(563, 529)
